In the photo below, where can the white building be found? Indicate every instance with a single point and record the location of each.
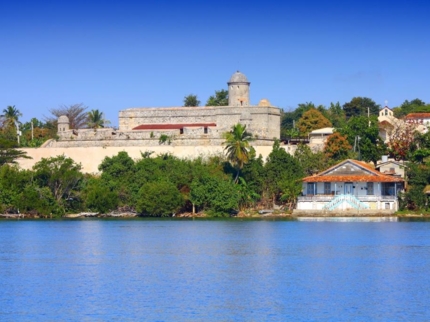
(350, 185)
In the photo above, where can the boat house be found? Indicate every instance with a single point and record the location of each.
(350, 185)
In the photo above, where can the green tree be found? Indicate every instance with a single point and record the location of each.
(422, 143)
(247, 196)
(76, 113)
(311, 162)
(216, 195)
(336, 115)
(219, 99)
(159, 199)
(237, 146)
(118, 173)
(99, 197)
(363, 133)
(253, 172)
(292, 133)
(191, 100)
(36, 132)
(37, 200)
(9, 153)
(312, 120)
(61, 175)
(95, 119)
(360, 106)
(418, 177)
(12, 182)
(290, 118)
(413, 106)
(281, 170)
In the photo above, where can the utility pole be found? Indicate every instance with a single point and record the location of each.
(18, 132)
(368, 115)
(357, 145)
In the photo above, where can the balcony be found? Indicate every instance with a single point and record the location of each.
(328, 198)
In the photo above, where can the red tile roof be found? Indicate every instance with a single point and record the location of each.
(171, 126)
(417, 116)
(385, 123)
(373, 176)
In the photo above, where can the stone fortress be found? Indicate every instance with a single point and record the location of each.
(180, 126)
(185, 132)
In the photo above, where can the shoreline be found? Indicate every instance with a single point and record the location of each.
(269, 216)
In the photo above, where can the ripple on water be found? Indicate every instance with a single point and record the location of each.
(214, 270)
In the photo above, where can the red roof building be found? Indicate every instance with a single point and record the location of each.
(350, 184)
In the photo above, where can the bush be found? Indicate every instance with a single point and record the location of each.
(40, 201)
(100, 198)
(218, 196)
(159, 199)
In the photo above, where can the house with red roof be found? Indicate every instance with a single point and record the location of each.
(350, 185)
(422, 120)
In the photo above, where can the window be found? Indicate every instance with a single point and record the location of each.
(205, 130)
(312, 188)
(387, 189)
(370, 188)
(327, 188)
(181, 131)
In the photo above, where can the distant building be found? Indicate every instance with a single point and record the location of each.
(392, 167)
(422, 119)
(181, 126)
(350, 185)
(317, 138)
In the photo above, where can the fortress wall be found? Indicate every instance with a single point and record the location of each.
(90, 158)
(130, 118)
(264, 120)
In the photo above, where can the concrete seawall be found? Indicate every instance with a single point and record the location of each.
(91, 157)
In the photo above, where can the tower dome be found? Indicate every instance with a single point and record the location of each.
(63, 123)
(238, 77)
(264, 103)
(238, 90)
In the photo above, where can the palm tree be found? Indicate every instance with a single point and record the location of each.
(95, 119)
(11, 115)
(237, 144)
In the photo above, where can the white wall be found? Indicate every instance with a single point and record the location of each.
(91, 157)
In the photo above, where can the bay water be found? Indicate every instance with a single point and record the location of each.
(214, 270)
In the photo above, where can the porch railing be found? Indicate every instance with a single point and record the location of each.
(350, 199)
(328, 198)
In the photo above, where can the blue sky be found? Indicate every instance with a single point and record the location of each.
(113, 55)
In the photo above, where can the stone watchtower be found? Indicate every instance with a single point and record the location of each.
(63, 123)
(238, 90)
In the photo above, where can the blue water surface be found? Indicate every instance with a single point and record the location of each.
(177, 270)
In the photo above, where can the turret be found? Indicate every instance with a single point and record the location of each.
(63, 123)
(238, 90)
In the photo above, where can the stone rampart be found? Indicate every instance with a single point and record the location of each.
(90, 158)
(262, 121)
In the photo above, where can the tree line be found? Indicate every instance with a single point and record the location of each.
(218, 185)
(252, 181)
(35, 132)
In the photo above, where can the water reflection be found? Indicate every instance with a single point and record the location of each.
(213, 270)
